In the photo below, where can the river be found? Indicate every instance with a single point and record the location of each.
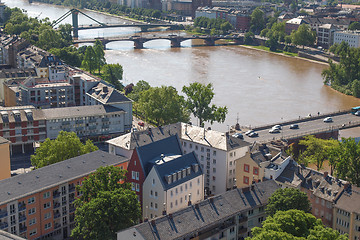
(257, 87)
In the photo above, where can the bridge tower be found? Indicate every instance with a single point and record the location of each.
(75, 22)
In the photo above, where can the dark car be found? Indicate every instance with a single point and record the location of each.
(253, 134)
(294, 126)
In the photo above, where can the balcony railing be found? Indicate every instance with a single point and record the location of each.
(22, 207)
(56, 215)
(105, 119)
(56, 194)
(22, 229)
(79, 121)
(3, 225)
(242, 230)
(243, 219)
(65, 123)
(57, 225)
(56, 205)
(92, 120)
(71, 189)
(3, 214)
(71, 210)
(92, 127)
(71, 200)
(22, 218)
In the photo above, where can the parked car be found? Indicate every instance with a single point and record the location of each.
(141, 124)
(274, 130)
(248, 132)
(294, 126)
(253, 134)
(357, 113)
(328, 119)
(238, 135)
(277, 127)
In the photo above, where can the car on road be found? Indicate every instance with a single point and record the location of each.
(274, 130)
(357, 113)
(238, 135)
(253, 134)
(248, 132)
(294, 126)
(277, 127)
(328, 119)
(142, 124)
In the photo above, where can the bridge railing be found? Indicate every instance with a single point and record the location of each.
(299, 120)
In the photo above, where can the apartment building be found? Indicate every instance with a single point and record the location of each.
(350, 37)
(5, 170)
(230, 215)
(347, 212)
(325, 35)
(260, 162)
(22, 126)
(172, 183)
(216, 151)
(40, 204)
(85, 121)
(9, 47)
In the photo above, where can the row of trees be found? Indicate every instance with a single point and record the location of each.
(289, 217)
(345, 75)
(343, 157)
(163, 105)
(216, 25)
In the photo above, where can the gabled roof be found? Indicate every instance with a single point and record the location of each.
(210, 212)
(293, 175)
(350, 200)
(55, 174)
(167, 146)
(173, 166)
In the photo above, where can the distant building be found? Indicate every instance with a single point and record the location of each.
(350, 37)
(5, 170)
(40, 204)
(325, 35)
(230, 215)
(293, 24)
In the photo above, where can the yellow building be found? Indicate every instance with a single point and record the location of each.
(5, 169)
(347, 213)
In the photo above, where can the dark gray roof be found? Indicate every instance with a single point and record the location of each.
(335, 21)
(17, 73)
(207, 213)
(55, 174)
(350, 200)
(175, 165)
(293, 175)
(107, 94)
(167, 146)
(78, 111)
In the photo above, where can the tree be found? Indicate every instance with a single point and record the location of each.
(303, 36)
(284, 199)
(199, 97)
(316, 150)
(66, 145)
(295, 225)
(89, 62)
(348, 162)
(163, 105)
(257, 22)
(354, 26)
(356, 88)
(100, 55)
(113, 73)
(106, 206)
(140, 87)
(249, 38)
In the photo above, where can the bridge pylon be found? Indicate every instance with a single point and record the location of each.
(75, 22)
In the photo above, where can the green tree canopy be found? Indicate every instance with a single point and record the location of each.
(106, 205)
(199, 97)
(163, 105)
(354, 26)
(257, 22)
(284, 199)
(140, 87)
(303, 36)
(113, 73)
(89, 62)
(100, 55)
(67, 145)
(295, 225)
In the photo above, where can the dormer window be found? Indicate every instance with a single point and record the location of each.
(188, 171)
(174, 177)
(179, 175)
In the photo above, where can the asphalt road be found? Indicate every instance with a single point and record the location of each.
(305, 128)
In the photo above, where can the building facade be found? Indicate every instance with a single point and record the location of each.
(350, 37)
(5, 170)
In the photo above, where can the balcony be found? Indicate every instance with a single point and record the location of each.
(3, 214)
(56, 194)
(22, 218)
(105, 119)
(79, 128)
(21, 207)
(242, 219)
(22, 229)
(3, 225)
(65, 123)
(56, 205)
(105, 126)
(71, 200)
(56, 215)
(63, 203)
(242, 230)
(92, 127)
(57, 225)
(71, 189)
(79, 121)
(92, 120)
(71, 210)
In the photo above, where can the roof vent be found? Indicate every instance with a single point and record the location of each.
(60, 176)
(8, 193)
(19, 182)
(37, 176)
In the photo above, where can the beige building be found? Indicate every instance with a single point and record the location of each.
(5, 169)
(346, 213)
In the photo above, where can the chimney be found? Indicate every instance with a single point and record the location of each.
(326, 174)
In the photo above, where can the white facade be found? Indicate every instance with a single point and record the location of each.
(351, 37)
(275, 168)
(156, 199)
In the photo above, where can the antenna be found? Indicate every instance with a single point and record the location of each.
(237, 118)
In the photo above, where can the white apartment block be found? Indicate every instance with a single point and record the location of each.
(350, 37)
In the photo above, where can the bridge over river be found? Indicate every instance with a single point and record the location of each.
(174, 39)
(307, 126)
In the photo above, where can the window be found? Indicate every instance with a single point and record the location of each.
(251, 212)
(31, 211)
(156, 194)
(184, 144)
(214, 170)
(214, 153)
(32, 221)
(47, 215)
(230, 172)
(214, 178)
(12, 208)
(12, 219)
(230, 163)
(47, 205)
(47, 226)
(13, 230)
(46, 195)
(214, 161)
(151, 193)
(33, 232)
(156, 205)
(31, 200)
(137, 175)
(256, 171)
(153, 182)
(246, 180)
(133, 186)
(246, 168)
(133, 174)
(137, 187)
